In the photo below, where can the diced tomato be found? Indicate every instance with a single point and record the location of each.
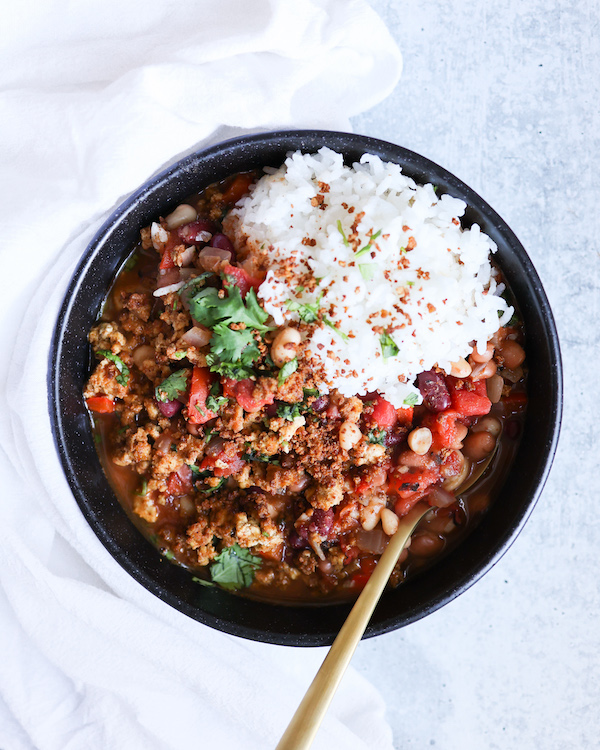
(100, 404)
(167, 257)
(176, 485)
(242, 391)
(238, 188)
(469, 397)
(224, 464)
(241, 279)
(410, 486)
(384, 414)
(405, 415)
(199, 390)
(367, 566)
(166, 261)
(443, 428)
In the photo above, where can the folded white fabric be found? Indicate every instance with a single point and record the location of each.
(94, 98)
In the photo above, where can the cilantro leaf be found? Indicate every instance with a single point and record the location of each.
(229, 345)
(367, 270)
(209, 490)
(287, 370)
(388, 346)
(341, 231)
(411, 399)
(343, 335)
(234, 568)
(289, 411)
(376, 437)
(233, 350)
(307, 312)
(260, 457)
(172, 387)
(123, 376)
(368, 246)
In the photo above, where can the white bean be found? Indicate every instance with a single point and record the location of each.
(183, 214)
(285, 343)
(349, 435)
(460, 369)
(420, 440)
(389, 521)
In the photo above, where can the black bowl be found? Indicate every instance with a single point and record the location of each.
(294, 625)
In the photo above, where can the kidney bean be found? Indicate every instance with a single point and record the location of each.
(320, 403)
(196, 231)
(223, 242)
(434, 390)
(321, 522)
(169, 408)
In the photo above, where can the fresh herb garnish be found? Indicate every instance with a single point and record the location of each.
(169, 554)
(287, 370)
(388, 346)
(143, 489)
(411, 399)
(233, 321)
(309, 313)
(172, 387)
(368, 246)
(196, 473)
(367, 270)
(410, 283)
(214, 402)
(131, 262)
(290, 411)
(123, 377)
(209, 490)
(260, 457)
(376, 437)
(202, 582)
(341, 231)
(311, 392)
(234, 568)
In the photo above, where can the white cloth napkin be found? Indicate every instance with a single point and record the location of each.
(94, 98)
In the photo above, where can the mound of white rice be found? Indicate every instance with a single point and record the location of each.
(402, 287)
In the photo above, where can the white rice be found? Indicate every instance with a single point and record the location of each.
(433, 300)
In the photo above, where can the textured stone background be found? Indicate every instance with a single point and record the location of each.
(506, 96)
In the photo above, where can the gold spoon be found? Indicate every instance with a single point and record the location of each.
(301, 730)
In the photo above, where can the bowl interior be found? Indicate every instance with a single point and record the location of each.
(294, 625)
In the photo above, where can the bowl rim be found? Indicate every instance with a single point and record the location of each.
(281, 628)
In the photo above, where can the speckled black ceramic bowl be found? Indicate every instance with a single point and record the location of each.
(293, 625)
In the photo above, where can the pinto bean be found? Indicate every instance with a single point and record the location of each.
(494, 387)
(478, 445)
(426, 544)
(512, 353)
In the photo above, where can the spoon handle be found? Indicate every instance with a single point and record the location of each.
(302, 728)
